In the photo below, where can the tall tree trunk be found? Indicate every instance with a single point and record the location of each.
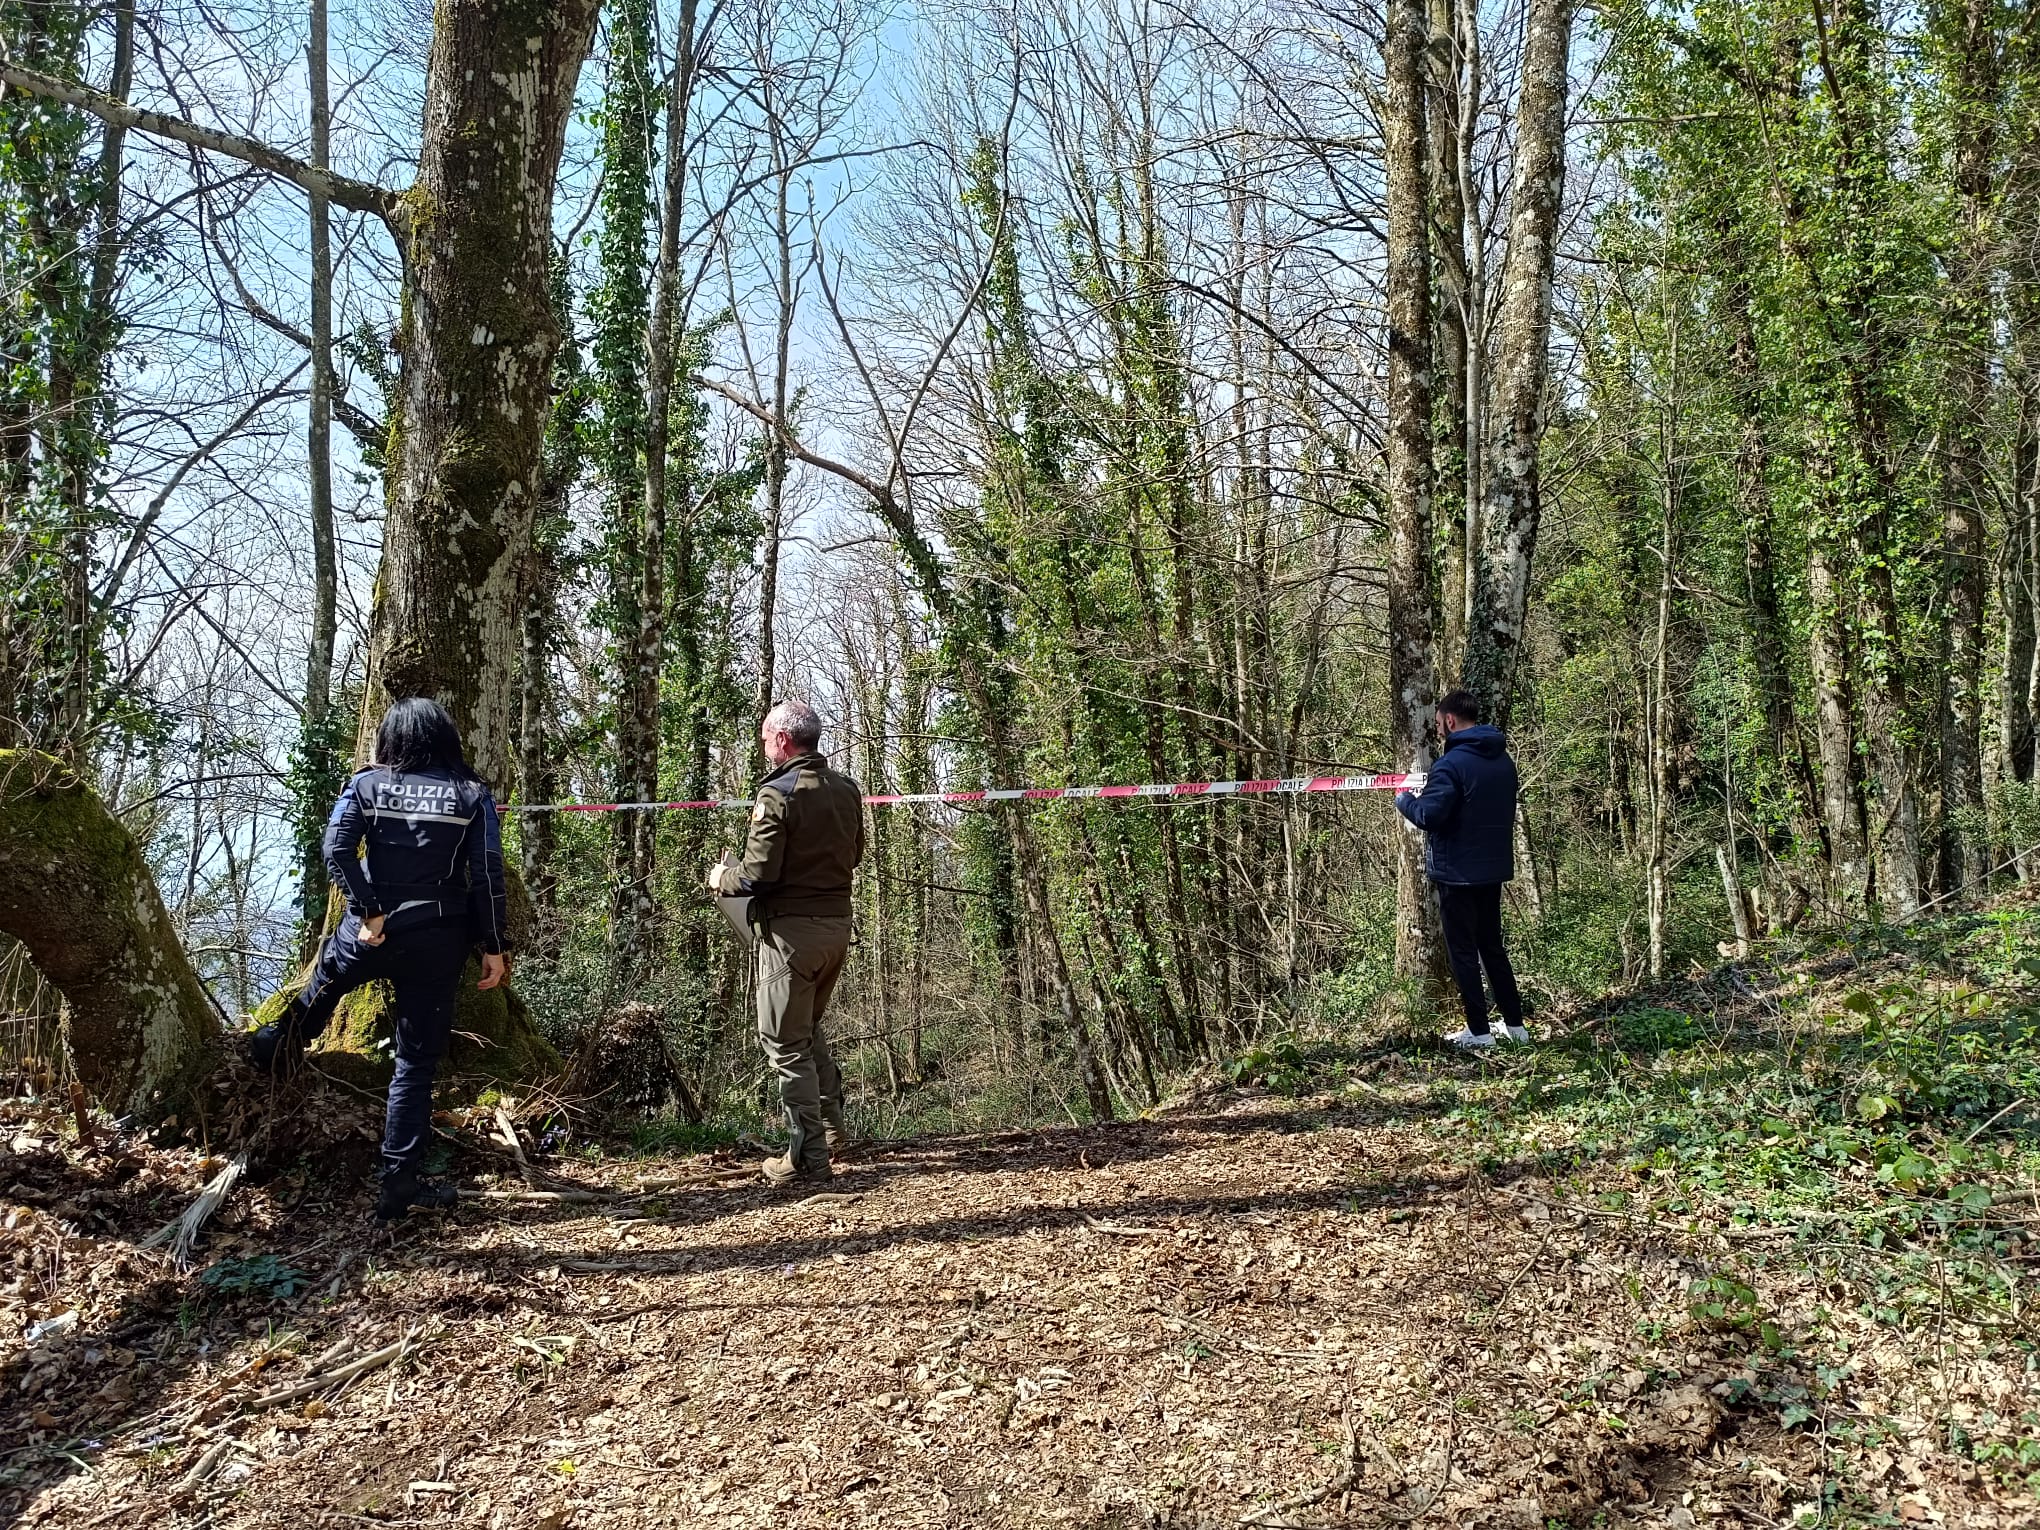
(638, 733)
(620, 308)
(1764, 621)
(2020, 676)
(1412, 673)
(1450, 325)
(538, 766)
(1835, 728)
(1971, 41)
(478, 341)
(2019, 571)
(316, 746)
(1661, 712)
(79, 330)
(537, 776)
(775, 456)
(1512, 501)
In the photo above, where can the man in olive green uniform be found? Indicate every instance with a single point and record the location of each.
(806, 838)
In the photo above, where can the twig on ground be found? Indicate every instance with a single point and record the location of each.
(1276, 1514)
(87, 1138)
(344, 1374)
(506, 1132)
(334, 1352)
(682, 1182)
(1121, 1230)
(632, 1466)
(534, 1197)
(205, 1466)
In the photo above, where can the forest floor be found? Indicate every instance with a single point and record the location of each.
(1706, 1256)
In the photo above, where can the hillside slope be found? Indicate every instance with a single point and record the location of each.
(1409, 1288)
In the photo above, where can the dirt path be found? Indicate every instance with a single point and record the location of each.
(1253, 1311)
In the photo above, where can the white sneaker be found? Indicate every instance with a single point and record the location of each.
(1520, 1034)
(1468, 1040)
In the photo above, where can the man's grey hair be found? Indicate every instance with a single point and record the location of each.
(801, 723)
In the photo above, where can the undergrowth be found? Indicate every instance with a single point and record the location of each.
(1859, 1116)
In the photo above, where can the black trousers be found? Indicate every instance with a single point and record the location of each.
(423, 965)
(1472, 917)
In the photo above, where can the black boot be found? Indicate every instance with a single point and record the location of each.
(404, 1189)
(277, 1049)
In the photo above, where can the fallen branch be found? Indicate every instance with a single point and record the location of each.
(716, 1176)
(1119, 1230)
(1348, 1474)
(346, 1373)
(532, 1197)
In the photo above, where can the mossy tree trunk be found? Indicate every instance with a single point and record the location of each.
(467, 449)
(76, 892)
(1411, 606)
(478, 339)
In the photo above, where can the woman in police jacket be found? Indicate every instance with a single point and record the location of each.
(414, 846)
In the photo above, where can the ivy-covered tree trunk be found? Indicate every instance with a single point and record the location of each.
(65, 239)
(2020, 672)
(1412, 672)
(1835, 729)
(77, 893)
(1783, 753)
(632, 564)
(1968, 37)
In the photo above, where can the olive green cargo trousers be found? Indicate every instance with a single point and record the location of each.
(799, 959)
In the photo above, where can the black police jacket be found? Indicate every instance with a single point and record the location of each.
(434, 850)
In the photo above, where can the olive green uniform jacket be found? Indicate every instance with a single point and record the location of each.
(806, 838)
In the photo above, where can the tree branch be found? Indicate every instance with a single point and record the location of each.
(343, 191)
(928, 572)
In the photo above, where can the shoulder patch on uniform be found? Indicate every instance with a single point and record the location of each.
(758, 811)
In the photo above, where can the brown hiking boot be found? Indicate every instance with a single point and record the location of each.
(837, 1136)
(783, 1171)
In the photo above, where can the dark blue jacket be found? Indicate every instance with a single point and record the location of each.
(1467, 810)
(435, 851)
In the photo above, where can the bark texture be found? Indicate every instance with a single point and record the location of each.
(76, 892)
(1412, 674)
(478, 339)
(1834, 726)
(1512, 500)
(1966, 490)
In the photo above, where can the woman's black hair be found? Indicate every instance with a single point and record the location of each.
(417, 734)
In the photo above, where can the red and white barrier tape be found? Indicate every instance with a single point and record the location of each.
(1292, 784)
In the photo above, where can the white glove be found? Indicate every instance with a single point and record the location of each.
(722, 879)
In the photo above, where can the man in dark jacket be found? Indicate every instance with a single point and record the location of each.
(1467, 811)
(806, 838)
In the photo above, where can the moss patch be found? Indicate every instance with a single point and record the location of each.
(493, 1035)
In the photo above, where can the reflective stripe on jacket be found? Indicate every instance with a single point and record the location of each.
(406, 840)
